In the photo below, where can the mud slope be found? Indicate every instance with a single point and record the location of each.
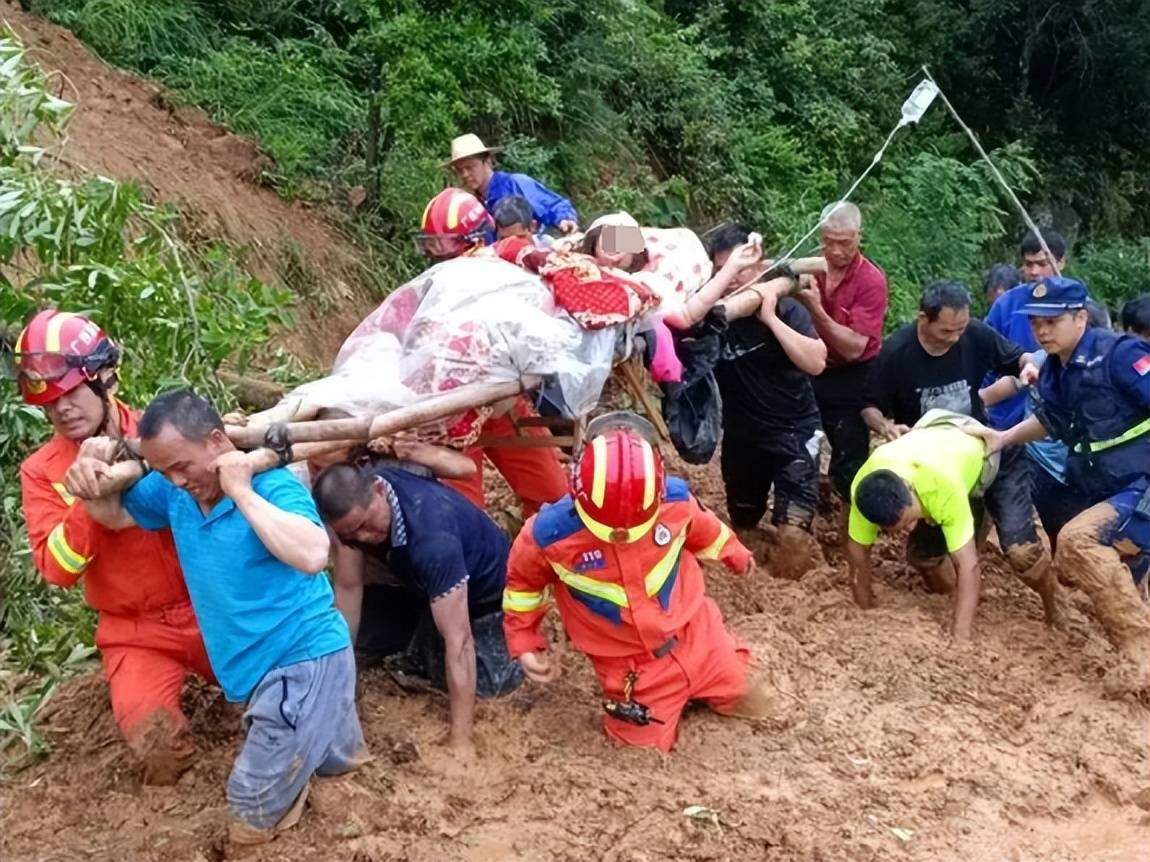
(893, 746)
(122, 129)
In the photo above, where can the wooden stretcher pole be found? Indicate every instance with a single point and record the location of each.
(262, 460)
(746, 301)
(362, 430)
(633, 379)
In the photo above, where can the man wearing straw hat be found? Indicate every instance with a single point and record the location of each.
(474, 165)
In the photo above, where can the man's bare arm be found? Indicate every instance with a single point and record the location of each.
(998, 391)
(290, 538)
(969, 582)
(348, 584)
(807, 353)
(454, 624)
(841, 339)
(874, 420)
(99, 485)
(444, 462)
(858, 557)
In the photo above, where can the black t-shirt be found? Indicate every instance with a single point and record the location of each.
(762, 389)
(905, 381)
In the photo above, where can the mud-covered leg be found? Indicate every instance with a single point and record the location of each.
(1086, 561)
(926, 554)
(1032, 563)
(796, 497)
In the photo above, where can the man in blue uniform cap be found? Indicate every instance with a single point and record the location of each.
(1095, 391)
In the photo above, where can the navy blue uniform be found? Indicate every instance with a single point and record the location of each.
(1098, 403)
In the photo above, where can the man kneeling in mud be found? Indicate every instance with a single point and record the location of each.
(930, 482)
(447, 567)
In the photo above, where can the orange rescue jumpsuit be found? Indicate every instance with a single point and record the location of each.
(147, 633)
(535, 475)
(634, 608)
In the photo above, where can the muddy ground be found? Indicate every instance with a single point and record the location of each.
(895, 745)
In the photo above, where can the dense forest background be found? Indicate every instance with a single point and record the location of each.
(688, 112)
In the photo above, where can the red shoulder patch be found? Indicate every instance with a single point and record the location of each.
(1142, 366)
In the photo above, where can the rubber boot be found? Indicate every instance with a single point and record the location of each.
(1098, 570)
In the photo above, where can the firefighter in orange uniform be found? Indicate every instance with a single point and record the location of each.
(147, 634)
(621, 553)
(454, 224)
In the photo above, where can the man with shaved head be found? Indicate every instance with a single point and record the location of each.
(847, 306)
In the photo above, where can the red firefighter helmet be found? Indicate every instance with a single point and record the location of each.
(618, 481)
(56, 352)
(452, 221)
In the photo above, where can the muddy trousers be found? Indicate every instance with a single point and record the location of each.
(839, 393)
(782, 461)
(1095, 552)
(301, 721)
(706, 663)
(146, 660)
(534, 474)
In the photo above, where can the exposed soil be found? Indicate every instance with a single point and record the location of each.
(129, 129)
(895, 745)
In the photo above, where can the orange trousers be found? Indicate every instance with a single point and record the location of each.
(535, 475)
(706, 664)
(146, 660)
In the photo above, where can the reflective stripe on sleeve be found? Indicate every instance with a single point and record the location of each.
(521, 601)
(63, 554)
(714, 550)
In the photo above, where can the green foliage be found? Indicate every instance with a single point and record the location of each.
(142, 33)
(931, 217)
(293, 95)
(763, 110)
(1114, 270)
(93, 245)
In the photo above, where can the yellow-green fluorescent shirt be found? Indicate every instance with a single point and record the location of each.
(942, 466)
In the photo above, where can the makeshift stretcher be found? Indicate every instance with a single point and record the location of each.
(460, 342)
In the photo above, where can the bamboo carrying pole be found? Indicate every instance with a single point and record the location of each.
(362, 430)
(322, 437)
(746, 301)
(262, 459)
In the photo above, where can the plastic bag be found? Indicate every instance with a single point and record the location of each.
(693, 409)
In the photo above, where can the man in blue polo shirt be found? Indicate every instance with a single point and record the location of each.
(474, 165)
(251, 549)
(1095, 398)
(446, 553)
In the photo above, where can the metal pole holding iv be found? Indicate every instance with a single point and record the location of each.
(994, 171)
(913, 110)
